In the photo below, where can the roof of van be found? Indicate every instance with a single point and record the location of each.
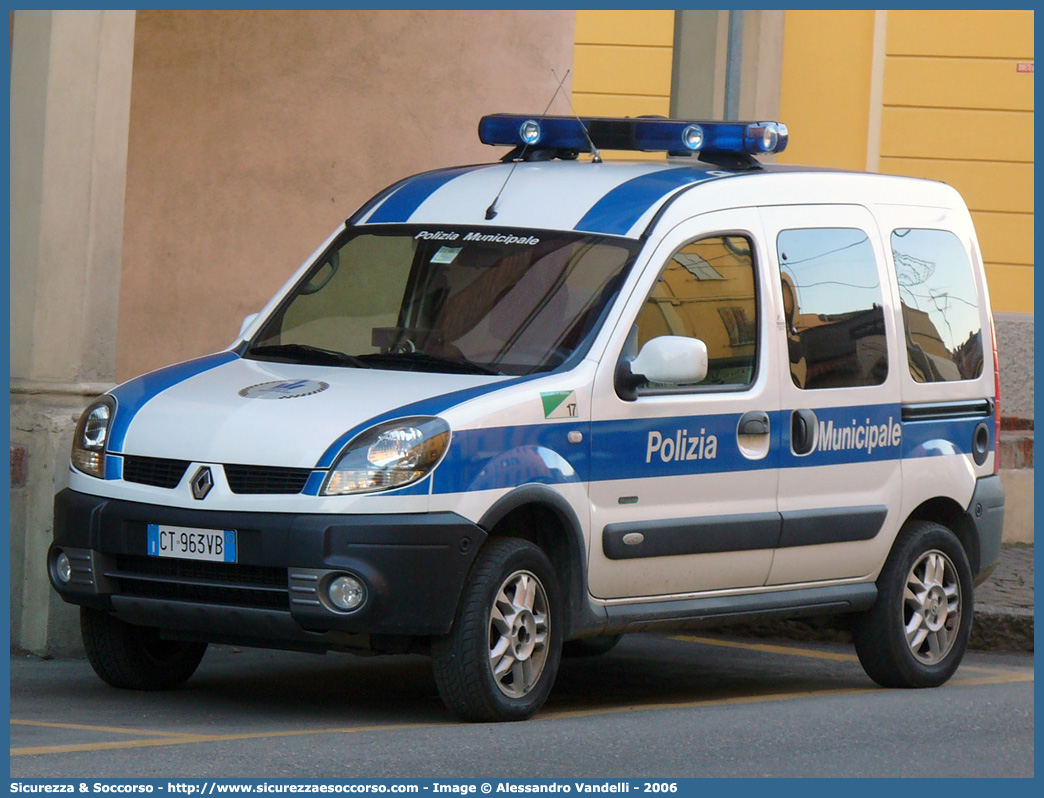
(617, 198)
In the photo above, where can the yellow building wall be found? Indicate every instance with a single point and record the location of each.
(955, 108)
(951, 105)
(825, 92)
(622, 64)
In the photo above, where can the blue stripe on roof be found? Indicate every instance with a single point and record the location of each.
(132, 396)
(617, 212)
(399, 207)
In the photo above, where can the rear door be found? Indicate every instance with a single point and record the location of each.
(840, 476)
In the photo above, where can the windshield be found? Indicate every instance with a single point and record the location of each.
(454, 300)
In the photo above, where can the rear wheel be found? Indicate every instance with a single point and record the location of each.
(136, 657)
(917, 632)
(500, 660)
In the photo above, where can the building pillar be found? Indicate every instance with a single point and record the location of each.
(702, 60)
(70, 111)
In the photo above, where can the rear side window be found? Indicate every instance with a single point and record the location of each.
(832, 301)
(940, 305)
(707, 291)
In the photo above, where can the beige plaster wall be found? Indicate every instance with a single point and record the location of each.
(253, 134)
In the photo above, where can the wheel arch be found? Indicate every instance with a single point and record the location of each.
(541, 515)
(947, 512)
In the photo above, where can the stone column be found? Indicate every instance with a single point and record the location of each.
(70, 110)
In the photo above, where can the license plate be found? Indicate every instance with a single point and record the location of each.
(186, 543)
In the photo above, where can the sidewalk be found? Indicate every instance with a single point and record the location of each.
(1003, 611)
(1004, 603)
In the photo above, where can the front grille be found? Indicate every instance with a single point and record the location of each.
(227, 584)
(155, 471)
(266, 479)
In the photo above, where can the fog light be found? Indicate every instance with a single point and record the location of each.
(63, 567)
(346, 592)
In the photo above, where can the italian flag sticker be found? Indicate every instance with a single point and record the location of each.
(559, 404)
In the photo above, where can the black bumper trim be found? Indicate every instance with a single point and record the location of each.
(986, 511)
(414, 565)
(680, 613)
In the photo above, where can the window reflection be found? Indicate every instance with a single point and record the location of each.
(833, 307)
(707, 291)
(940, 305)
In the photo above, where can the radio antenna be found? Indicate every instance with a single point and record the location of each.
(491, 211)
(596, 155)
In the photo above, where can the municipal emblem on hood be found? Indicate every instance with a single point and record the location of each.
(283, 389)
(202, 481)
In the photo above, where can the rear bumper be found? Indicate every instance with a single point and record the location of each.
(986, 511)
(413, 566)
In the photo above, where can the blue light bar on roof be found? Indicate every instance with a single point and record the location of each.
(645, 134)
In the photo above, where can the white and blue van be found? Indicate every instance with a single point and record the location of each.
(521, 408)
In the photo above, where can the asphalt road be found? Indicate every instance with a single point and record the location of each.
(656, 706)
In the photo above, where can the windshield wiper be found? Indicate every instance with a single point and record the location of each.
(423, 358)
(304, 353)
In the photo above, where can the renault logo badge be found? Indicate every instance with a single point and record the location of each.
(202, 482)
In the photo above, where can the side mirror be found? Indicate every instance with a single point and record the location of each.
(670, 359)
(246, 323)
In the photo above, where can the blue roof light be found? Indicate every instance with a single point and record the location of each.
(530, 131)
(692, 137)
(558, 132)
(646, 134)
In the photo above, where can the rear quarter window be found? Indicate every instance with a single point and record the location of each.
(940, 305)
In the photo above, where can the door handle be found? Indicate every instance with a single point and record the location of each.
(802, 431)
(756, 422)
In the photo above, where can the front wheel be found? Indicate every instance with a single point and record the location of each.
(500, 660)
(136, 657)
(917, 632)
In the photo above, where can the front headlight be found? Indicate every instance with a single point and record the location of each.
(92, 436)
(389, 455)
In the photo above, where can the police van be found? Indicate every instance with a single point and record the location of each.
(517, 409)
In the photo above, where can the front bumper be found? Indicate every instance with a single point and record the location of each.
(413, 566)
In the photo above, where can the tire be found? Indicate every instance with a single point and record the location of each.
(497, 626)
(590, 646)
(937, 609)
(136, 657)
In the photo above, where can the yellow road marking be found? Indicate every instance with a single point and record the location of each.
(108, 746)
(797, 651)
(767, 648)
(1007, 678)
(767, 698)
(552, 715)
(81, 727)
(182, 739)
